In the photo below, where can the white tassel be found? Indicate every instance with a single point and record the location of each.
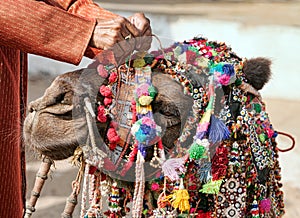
(137, 205)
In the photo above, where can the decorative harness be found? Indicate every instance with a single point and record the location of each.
(230, 169)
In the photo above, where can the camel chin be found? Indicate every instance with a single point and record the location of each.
(56, 123)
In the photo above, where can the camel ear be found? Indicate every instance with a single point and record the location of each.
(257, 71)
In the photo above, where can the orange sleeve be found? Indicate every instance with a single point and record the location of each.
(88, 9)
(39, 28)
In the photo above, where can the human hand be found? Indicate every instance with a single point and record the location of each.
(111, 34)
(142, 23)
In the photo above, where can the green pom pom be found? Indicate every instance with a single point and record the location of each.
(148, 58)
(197, 151)
(194, 49)
(257, 108)
(238, 82)
(152, 91)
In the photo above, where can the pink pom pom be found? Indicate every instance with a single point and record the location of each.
(113, 77)
(102, 71)
(107, 101)
(101, 114)
(265, 205)
(112, 135)
(142, 90)
(192, 210)
(154, 186)
(105, 91)
(148, 121)
(270, 132)
(224, 79)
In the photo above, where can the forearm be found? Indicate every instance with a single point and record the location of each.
(37, 28)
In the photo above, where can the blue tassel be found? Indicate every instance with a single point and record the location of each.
(218, 131)
(204, 172)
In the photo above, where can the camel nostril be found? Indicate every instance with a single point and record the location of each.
(31, 107)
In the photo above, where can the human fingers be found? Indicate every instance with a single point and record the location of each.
(141, 22)
(109, 32)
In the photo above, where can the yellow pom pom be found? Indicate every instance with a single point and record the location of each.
(145, 100)
(138, 63)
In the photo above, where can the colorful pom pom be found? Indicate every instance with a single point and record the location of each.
(101, 117)
(154, 186)
(113, 77)
(265, 205)
(138, 63)
(145, 130)
(152, 91)
(197, 151)
(142, 90)
(112, 135)
(145, 100)
(102, 71)
(107, 101)
(105, 91)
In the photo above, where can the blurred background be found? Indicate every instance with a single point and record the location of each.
(268, 28)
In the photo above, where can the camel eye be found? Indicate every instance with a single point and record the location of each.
(64, 98)
(60, 98)
(165, 108)
(166, 113)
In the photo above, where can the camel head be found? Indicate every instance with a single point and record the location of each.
(56, 122)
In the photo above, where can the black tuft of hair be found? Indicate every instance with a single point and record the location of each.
(257, 71)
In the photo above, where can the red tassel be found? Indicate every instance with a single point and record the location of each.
(107, 101)
(113, 77)
(101, 114)
(105, 91)
(112, 146)
(112, 135)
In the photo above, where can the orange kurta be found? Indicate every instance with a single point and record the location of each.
(56, 29)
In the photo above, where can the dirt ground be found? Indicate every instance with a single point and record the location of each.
(283, 113)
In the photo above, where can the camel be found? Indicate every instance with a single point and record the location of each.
(212, 153)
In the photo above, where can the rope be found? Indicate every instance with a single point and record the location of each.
(89, 120)
(84, 191)
(293, 142)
